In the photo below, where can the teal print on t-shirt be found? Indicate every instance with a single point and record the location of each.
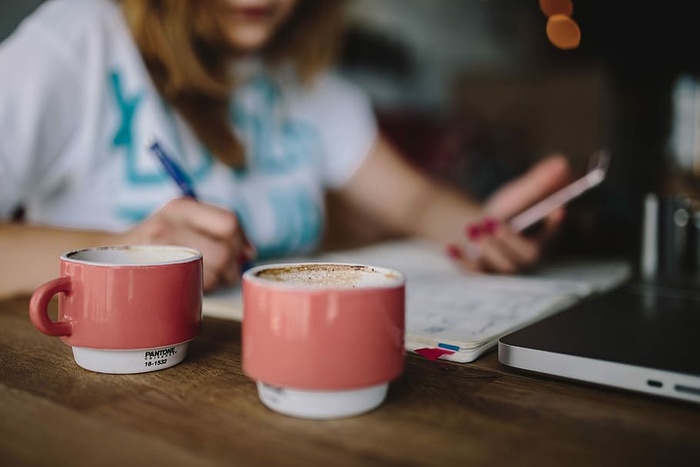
(276, 144)
(298, 224)
(127, 106)
(124, 136)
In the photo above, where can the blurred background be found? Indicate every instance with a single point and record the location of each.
(473, 91)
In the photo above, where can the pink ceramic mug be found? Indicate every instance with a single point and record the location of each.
(124, 309)
(323, 340)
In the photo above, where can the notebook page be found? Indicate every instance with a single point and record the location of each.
(447, 306)
(467, 311)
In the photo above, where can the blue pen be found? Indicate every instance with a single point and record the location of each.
(184, 182)
(174, 170)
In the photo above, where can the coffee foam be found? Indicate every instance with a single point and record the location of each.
(133, 255)
(330, 275)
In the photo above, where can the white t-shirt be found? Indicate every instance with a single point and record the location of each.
(77, 107)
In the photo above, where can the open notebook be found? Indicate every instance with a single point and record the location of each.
(457, 316)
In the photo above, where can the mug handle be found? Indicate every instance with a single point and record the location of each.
(39, 303)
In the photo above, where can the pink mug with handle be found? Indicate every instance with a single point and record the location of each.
(124, 309)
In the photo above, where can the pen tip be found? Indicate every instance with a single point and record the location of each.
(151, 142)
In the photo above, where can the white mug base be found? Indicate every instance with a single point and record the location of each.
(321, 405)
(129, 361)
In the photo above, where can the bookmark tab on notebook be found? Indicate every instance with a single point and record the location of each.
(433, 353)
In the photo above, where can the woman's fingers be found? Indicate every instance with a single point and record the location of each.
(491, 245)
(506, 252)
(495, 248)
(214, 231)
(209, 220)
(543, 179)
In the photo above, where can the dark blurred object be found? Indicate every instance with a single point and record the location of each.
(527, 115)
(683, 158)
(371, 50)
(670, 236)
(653, 37)
(463, 150)
(18, 215)
(645, 47)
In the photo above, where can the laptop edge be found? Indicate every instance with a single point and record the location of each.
(647, 380)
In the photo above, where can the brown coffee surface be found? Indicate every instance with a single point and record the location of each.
(323, 275)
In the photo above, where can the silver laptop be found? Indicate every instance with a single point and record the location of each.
(639, 337)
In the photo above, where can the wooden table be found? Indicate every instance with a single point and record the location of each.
(205, 412)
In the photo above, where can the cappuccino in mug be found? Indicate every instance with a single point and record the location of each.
(323, 340)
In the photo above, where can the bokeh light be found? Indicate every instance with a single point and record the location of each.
(563, 32)
(556, 7)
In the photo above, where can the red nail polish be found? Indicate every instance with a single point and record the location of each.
(490, 225)
(453, 251)
(474, 231)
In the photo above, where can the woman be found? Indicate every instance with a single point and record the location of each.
(236, 91)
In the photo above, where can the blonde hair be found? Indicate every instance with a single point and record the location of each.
(188, 58)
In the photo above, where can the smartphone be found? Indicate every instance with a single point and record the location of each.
(596, 174)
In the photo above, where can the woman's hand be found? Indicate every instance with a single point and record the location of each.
(214, 231)
(396, 195)
(491, 245)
